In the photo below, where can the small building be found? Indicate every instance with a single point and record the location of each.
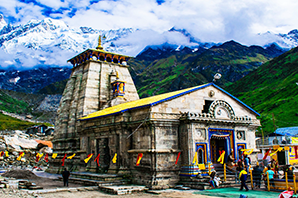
(285, 138)
(283, 135)
(37, 129)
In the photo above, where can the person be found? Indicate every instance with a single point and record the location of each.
(65, 175)
(257, 172)
(214, 181)
(246, 162)
(239, 165)
(243, 177)
(231, 159)
(274, 167)
(271, 176)
(289, 170)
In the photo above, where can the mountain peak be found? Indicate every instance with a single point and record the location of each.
(295, 31)
(2, 22)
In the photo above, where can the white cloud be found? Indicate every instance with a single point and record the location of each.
(27, 58)
(216, 20)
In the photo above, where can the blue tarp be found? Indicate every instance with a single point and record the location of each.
(289, 131)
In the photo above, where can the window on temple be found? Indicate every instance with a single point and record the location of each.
(206, 106)
(201, 156)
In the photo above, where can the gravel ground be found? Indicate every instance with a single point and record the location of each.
(13, 193)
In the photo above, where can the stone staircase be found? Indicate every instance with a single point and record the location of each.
(203, 183)
(95, 179)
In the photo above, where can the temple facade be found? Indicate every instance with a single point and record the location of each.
(101, 113)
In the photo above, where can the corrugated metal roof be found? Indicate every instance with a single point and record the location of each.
(151, 101)
(289, 131)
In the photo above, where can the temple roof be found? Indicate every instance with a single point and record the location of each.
(151, 101)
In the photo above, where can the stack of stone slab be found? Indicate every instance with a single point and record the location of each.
(25, 184)
(18, 184)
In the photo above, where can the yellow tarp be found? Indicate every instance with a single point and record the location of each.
(294, 140)
(140, 103)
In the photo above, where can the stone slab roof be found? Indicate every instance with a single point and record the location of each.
(151, 101)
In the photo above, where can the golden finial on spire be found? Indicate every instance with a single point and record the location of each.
(99, 47)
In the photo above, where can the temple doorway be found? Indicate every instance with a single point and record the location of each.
(218, 145)
(104, 151)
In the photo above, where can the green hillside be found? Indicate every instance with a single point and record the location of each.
(187, 69)
(9, 123)
(54, 88)
(19, 103)
(12, 105)
(272, 89)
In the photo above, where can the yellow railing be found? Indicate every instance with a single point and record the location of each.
(268, 182)
(251, 179)
(225, 172)
(277, 184)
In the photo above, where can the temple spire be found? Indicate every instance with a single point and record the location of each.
(99, 47)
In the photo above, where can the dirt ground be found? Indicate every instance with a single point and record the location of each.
(10, 193)
(96, 194)
(48, 183)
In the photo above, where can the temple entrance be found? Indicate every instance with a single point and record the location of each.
(218, 145)
(104, 150)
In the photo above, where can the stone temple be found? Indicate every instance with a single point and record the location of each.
(101, 113)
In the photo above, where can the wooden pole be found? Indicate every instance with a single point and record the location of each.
(294, 180)
(268, 183)
(287, 183)
(251, 178)
(225, 172)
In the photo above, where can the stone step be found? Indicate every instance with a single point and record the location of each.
(122, 190)
(96, 182)
(94, 176)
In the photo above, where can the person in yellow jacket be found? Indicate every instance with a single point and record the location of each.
(243, 177)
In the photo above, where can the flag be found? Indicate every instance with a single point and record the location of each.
(114, 158)
(38, 156)
(97, 159)
(248, 151)
(88, 158)
(278, 150)
(266, 154)
(221, 158)
(70, 157)
(140, 155)
(195, 159)
(6, 154)
(46, 158)
(54, 155)
(21, 154)
(1, 153)
(63, 159)
(177, 157)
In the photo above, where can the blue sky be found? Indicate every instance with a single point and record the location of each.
(211, 20)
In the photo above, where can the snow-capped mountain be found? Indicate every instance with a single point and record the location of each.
(52, 42)
(2, 22)
(48, 33)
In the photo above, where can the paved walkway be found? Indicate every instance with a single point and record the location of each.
(235, 193)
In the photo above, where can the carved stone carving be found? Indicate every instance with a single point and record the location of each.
(240, 135)
(211, 93)
(201, 133)
(221, 109)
